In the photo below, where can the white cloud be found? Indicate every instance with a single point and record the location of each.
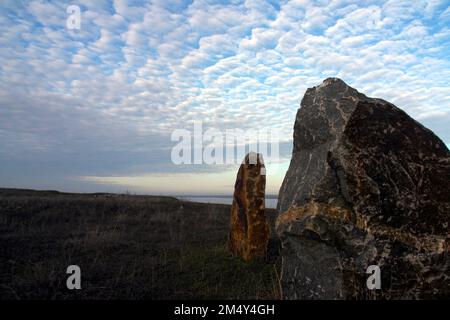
(148, 68)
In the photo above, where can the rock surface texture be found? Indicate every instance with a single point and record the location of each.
(367, 185)
(249, 234)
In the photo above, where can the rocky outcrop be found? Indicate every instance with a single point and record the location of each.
(367, 185)
(249, 232)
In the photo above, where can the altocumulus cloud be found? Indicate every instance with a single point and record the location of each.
(93, 109)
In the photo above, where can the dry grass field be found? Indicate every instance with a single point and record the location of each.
(127, 246)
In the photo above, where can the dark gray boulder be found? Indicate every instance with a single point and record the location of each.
(367, 185)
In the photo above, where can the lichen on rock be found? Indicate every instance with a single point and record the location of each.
(249, 230)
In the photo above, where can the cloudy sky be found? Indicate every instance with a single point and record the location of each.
(94, 109)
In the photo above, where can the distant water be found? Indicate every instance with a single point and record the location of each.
(270, 203)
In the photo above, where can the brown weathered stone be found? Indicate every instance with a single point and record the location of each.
(249, 230)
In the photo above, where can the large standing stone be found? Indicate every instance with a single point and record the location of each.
(367, 185)
(249, 233)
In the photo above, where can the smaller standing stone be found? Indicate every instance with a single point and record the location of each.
(249, 234)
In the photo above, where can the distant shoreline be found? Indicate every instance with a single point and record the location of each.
(3, 189)
(268, 196)
(270, 203)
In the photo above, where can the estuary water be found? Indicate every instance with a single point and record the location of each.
(270, 202)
